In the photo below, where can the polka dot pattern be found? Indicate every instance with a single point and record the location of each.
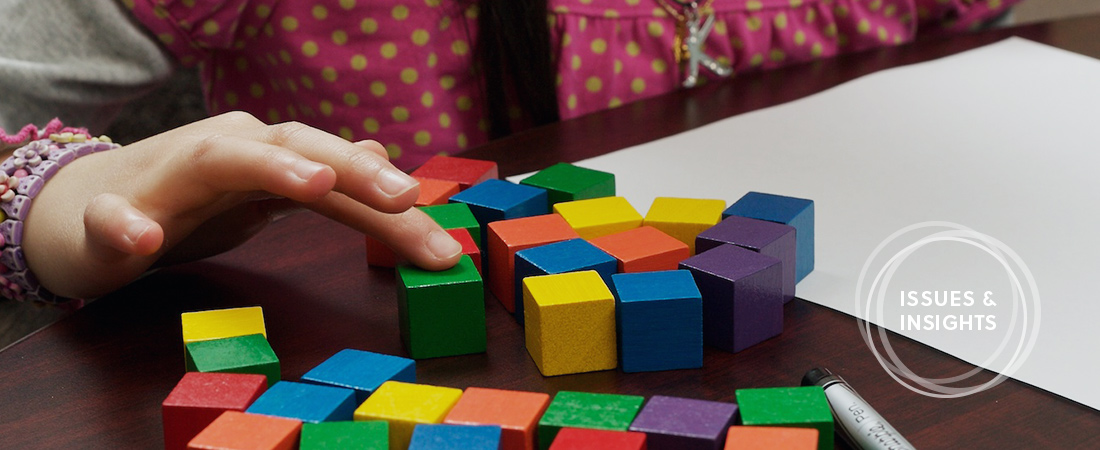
(399, 70)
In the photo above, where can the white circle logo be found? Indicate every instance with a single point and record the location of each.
(1020, 330)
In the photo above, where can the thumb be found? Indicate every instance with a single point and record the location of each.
(111, 221)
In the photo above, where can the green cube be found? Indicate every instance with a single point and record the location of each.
(455, 215)
(565, 182)
(587, 410)
(441, 313)
(372, 435)
(800, 407)
(241, 354)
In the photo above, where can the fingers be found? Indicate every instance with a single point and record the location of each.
(375, 147)
(412, 234)
(366, 176)
(223, 163)
(109, 220)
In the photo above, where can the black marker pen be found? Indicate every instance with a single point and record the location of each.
(858, 422)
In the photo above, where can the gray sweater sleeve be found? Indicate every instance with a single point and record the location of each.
(80, 60)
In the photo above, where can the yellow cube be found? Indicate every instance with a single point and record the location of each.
(404, 405)
(684, 218)
(569, 323)
(222, 323)
(597, 217)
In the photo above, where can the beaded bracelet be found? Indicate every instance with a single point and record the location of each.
(22, 177)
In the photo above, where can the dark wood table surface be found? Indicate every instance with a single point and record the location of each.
(96, 378)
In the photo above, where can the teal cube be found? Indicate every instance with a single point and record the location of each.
(800, 407)
(565, 182)
(587, 410)
(241, 354)
(441, 313)
(372, 435)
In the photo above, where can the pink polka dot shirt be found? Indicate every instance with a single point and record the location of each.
(399, 71)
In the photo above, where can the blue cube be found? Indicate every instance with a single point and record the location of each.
(493, 200)
(660, 320)
(573, 255)
(361, 371)
(455, 437)
(796, 212)
(306, 402)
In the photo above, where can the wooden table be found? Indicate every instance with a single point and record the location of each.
(96, 379)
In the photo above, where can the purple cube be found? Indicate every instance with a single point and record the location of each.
(768, 238)
(742, 296)
(682, 423)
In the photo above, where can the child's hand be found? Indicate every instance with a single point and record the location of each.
(206, 187)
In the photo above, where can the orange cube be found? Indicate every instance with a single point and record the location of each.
(435, 192)
(506, 237)
(516, 412)
(767, 438)
(235, 430)
(644, 249)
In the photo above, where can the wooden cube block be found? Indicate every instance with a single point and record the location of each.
(800, 407)
(742, 296)
(510, 236)
(222, 323)
(573, 255)
(767, 238)
(570, 323)
(517, 413)
(684, 218)
(455, 215)
(469, 247)
(673, 423)
(403, 405)
(361, 371)
(441, 313)
(381, 255)
(345, 435)
(494, 200)
(587, 410)
(768, 438)
(435, 192)
(644, 249)
(455, 437)
(590, 439)
(313, 403)
(464, 171)
(242, 431)
(450, 216)
(597, 217)
(796, 212)
(199, 398)
(565, 182)
(660, 321)
(241, 354)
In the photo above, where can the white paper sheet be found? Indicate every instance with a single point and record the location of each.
(1003, 139)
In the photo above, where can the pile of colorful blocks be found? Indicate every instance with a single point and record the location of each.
(596, 285)
(365, 400)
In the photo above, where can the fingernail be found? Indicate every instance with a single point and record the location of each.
(136, 229)
(305, 170)
(393, 182)
(442, 245)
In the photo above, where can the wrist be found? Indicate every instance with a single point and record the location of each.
(22, 175)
